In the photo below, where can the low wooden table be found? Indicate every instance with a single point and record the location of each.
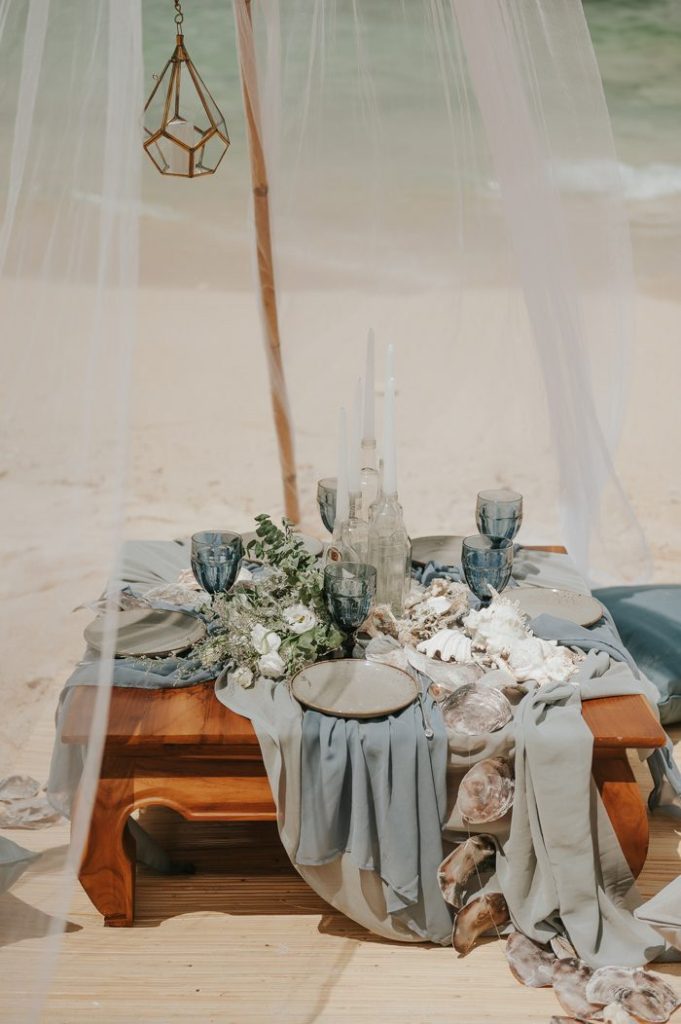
(182, 748)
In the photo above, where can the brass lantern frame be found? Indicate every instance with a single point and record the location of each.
(178, 63)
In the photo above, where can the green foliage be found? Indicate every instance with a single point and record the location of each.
(294, 578)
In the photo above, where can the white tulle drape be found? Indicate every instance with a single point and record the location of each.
(69, 253)
(428, 157)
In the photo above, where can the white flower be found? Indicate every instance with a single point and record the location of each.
(299, 618)
(271, 665)
(265, 640)
(243, 676)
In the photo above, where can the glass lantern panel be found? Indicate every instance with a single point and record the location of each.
(153, 115)
(214, 113)
(175, 158)
(209, 155)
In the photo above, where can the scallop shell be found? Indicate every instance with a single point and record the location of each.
(474, 709)
(642, 993)
(486, 791)
(476, 918)
(529, 963)
(448, 645)
(570, 978)
(458, 867)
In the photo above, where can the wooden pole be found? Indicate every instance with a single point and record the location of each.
(261, 207)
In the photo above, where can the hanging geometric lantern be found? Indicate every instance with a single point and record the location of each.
(186, 134)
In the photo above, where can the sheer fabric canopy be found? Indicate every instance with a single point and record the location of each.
(430, 198)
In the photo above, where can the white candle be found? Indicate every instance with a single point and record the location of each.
(390, 364)
(342, 500)
(354, 460)
(369, 431)
(389, 448)
(178, 158)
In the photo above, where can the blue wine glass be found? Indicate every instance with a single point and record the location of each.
(216, 559)
(349, 592)
(326, 499)
(486, 563)
(499, 513)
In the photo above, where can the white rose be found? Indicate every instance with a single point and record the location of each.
(271, 665)
(265, 640)
(299, 618)
(243, 676)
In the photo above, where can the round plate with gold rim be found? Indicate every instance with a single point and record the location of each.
(351, 688)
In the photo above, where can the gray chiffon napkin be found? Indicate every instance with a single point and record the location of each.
(376, 790)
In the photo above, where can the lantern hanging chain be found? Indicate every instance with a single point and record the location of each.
(179, 16)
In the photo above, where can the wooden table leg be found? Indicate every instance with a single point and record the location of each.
(107, 872)
(623, 801)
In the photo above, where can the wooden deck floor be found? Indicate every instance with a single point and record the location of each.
(245, 941)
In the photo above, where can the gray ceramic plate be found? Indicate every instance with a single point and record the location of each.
(583, 609)
(446, 550)
(147, 632)
(311, 544)
(354, 689)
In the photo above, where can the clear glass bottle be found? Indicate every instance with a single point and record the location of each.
(370, 478)
(351, 538)
(390, 552)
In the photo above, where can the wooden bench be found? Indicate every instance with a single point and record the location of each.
(183, 749)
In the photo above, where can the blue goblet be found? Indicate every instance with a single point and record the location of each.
(486, 563)
(499, 513)
(216, 559)
(326, 499)
(349, 592)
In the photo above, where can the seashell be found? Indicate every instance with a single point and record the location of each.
(564, 1020)
(448, 645)
(500, 679)
(570, 978)
(458, 867)
(448, 674)
(477, 917)
(387, 651)
(18, 787)
(486, 791)
(473, 710)
(541, 660)
(562, 948)
(380, 622)
(642, 993)
(529, 963)
(614, 1013)
(494, 629)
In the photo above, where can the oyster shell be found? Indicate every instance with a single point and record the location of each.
(448, 645)
(440, 605)
(387, 651)
(494, 629)
(486, 791)
(458, 867)
(642, 993)
(529, 963)
(381, 622)
(500, 679)
(614, 1013)
(477, 917)
(562, 948)
(570, 978)
(475, 709)
(449, 675)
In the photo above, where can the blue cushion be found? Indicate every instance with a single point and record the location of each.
(649, 621)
